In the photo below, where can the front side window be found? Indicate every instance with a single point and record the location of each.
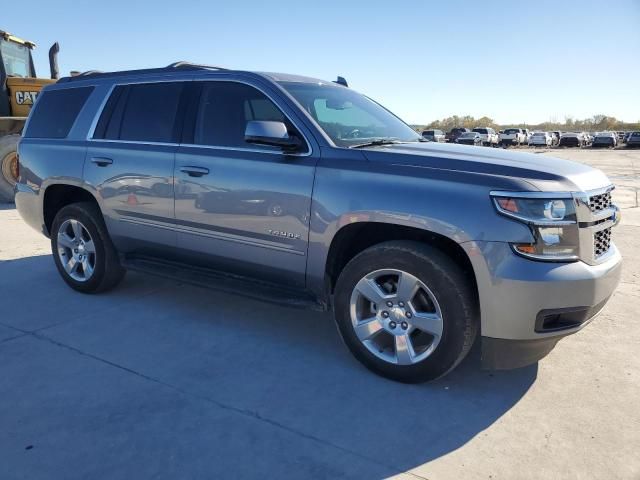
(16, 59)
(347, 117)
(226, 108)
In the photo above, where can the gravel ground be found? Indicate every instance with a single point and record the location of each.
(158, 379)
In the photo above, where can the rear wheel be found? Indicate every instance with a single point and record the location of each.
(406, 311)
(8, 166)
(82, 249)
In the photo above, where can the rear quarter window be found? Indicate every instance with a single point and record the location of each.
(56, 111)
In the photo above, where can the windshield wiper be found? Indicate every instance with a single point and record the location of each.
(376, 143)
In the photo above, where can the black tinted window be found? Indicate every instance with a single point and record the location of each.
(142, 112)
(226, 107)
(56, 111)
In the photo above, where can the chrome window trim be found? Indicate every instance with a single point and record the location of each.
(240, 149)
(96, 118)
(108, 94)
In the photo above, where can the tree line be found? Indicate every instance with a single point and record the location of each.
(595, 123)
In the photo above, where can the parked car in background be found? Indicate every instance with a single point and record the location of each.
(512, 136)
(540, 139)
(626, 137)
(571, 139)
(527, 134)
(621, 136)
(488, 135)
(434, 135)
(555, 138)
(588, 137)
(470, 138)
(605, 139)
(454, 133)
(633, 140)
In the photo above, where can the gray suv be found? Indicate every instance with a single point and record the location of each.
(307, 193)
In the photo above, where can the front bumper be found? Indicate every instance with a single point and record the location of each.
(527, 306)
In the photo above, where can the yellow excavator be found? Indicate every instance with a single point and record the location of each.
(19, 88)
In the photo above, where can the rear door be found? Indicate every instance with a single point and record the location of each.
(130, 161)
(239, 207)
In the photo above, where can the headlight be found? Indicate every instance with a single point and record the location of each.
(552, 220)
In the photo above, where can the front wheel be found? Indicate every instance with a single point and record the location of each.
(406, 311)
(82, 249)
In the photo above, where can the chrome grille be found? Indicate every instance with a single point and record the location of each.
(600, 202)
(601, 242)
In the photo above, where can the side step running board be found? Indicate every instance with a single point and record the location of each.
(236, 285)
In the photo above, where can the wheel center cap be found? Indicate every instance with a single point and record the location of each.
(397, 314)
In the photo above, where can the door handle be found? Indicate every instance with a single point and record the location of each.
(195, 171)
(101, 161)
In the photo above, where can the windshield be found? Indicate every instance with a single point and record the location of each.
(15, 58)
(468, 135)
(347, 117)
(510, 131)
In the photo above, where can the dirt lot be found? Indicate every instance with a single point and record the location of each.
(158, 379)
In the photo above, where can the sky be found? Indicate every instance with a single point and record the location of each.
(512, 61)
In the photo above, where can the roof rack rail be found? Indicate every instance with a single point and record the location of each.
(88, 72)
(190, 65)
(169, 68)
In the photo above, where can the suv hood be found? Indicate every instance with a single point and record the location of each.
(543, 172)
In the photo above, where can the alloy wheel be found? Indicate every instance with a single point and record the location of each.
(76, 250)
(396, 316)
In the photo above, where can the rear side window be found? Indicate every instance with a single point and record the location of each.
(142, 112)
(56, 111)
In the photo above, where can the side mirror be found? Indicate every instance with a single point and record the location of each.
(261, 132)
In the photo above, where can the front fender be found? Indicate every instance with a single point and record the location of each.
(455, 205)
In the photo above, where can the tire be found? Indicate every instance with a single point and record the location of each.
(106, 269)
(8, 166)
(449, 297)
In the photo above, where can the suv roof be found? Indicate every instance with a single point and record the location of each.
(181, 67)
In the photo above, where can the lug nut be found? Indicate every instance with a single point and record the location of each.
(392, 324)
(401, 304)
(404, 325)
(385, 314)
(408, 315)
(389, 304)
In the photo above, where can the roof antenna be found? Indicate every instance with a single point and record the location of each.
(341, 81)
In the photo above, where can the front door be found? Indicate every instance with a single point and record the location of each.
(242, 208)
